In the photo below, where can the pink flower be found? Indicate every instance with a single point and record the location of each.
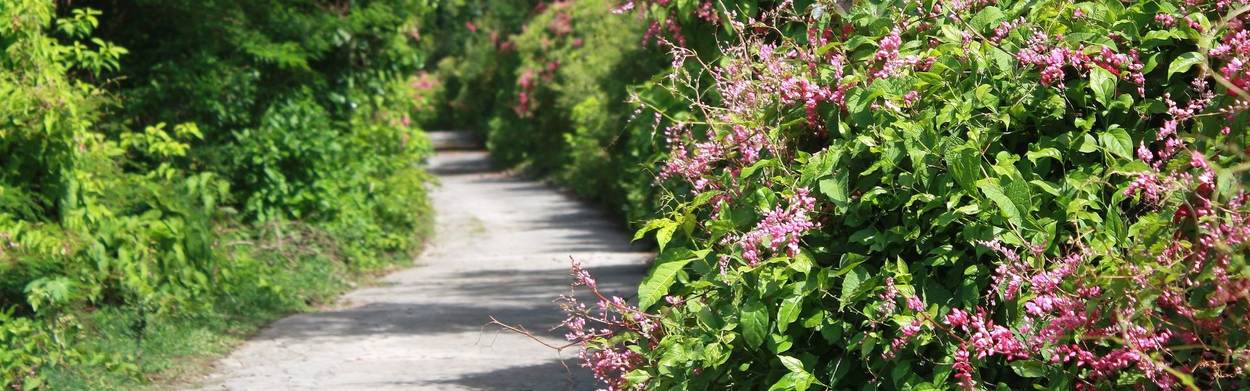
(963, 368)
(1165, 19)
(910, 98)
(957, 318)
(1144, 153)
(887, 296)
(780, 228)
(914, 304)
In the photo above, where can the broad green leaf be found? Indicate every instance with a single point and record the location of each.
(1103, 84)
(663, 273)
(751, 169)
(1115, 227)
(1045, 186)
(987, 18)
(1040, 154)
(779, 343)
(984, 95)
(1088, 144)
(793, 364)
(1020, 195)
(785, 383)
(820, 164)
(965, 165)
(1183, 62)
(866, 346)
(1117, 142)
(650, 226)
(995, 193)
(665, 233)
(789, 311)
(851, 282)
(1157, 37)
(799, 378)
(754, 322)
(836, 189)
(802, 262)
(637, 377)
(1029, 368)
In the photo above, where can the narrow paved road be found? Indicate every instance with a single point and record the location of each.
(501, 248)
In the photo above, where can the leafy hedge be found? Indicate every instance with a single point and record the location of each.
(548, 85)
(236, 157)
(944, 194)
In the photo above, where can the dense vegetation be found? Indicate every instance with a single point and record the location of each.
(176, 172)
(548, 85)
(909, 194)
(928, 194)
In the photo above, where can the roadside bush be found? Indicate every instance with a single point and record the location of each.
(940, 195)
(165, 184)
(475, 60)
(549, 84)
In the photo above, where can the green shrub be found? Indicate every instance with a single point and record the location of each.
(292, 127)
(554, 96)
(942, 195)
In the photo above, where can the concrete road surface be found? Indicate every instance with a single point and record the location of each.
(501, 248)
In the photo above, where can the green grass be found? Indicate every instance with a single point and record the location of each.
(180, 348)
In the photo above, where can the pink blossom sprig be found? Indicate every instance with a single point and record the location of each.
(600, 331)
(780, 229)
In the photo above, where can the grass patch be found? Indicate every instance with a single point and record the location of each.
(124, 348)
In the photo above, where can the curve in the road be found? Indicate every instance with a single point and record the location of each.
(501, 248)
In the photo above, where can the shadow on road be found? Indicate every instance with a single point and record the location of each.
(506, 295)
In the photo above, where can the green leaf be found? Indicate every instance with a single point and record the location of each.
(1028, 368)
(793, 364)
(1088, 144)
(750, 170)
(1040, 154)
(637, 377)
(665, 233)
(802, 262)
(1117, 142)
(1103, 84)
(987, 18)
(985, 96)
(995, 193)
(650, 226)
(836, 189)
(965, 165)
(851, 282)
(798, 378)
(663, 273)
(784, 383)
(1018, 191)
(789, 312)
(1157, 37)
(1183, 62)
(754, 322)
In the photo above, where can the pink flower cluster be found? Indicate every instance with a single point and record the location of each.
(593, 329)
(526, 84)
(1149, 185)
(1070, 321)
(889, 62)
(1005, 28)
(780, 228)
(1051, 60)
(887, 307)
(697, 162)
(707, 12)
